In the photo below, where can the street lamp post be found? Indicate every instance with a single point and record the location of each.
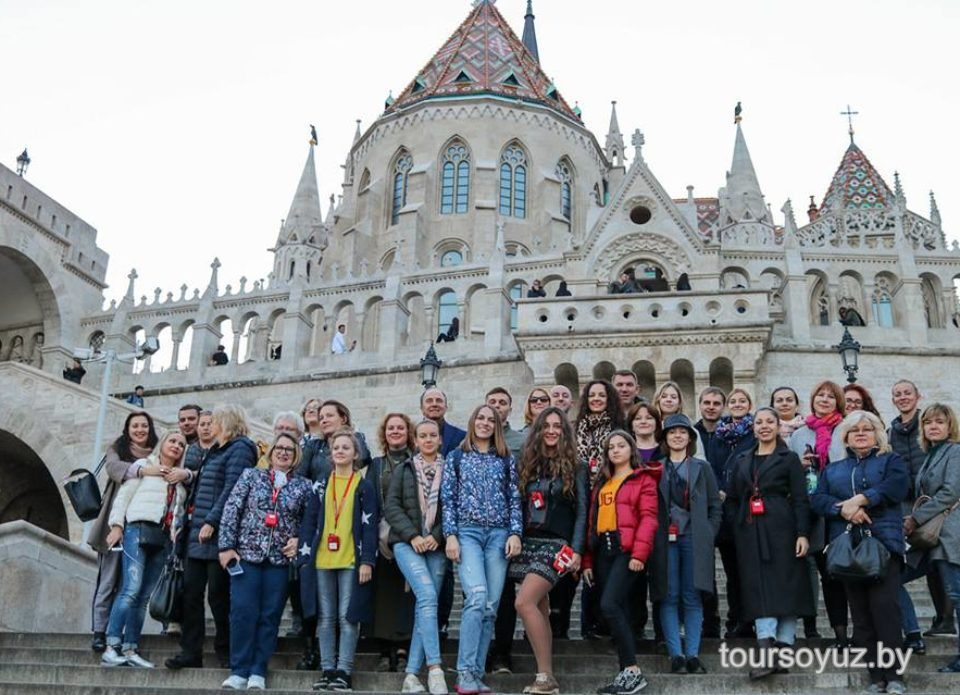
(849, 350)
(23, 161)
(429, 368)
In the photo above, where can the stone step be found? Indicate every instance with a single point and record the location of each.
(125, 680)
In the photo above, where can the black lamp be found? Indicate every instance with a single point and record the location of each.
(429, 366)
(849, 350)
(23, 161)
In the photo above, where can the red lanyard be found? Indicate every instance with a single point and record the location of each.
(276, 491)
(338, 507)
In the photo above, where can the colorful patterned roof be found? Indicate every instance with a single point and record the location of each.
(856, 185)
(483, 56)
(708, 212)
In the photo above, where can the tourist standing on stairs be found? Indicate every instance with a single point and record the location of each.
(669, 401)
(818, 443)
(555, 491)
(413, 510)
(938, 489)
(124, 460)
(712, 401)
(682, 566)
(232, 453)
(865, 490)
(338, 552)
(904, 434)
(482, 524)
(140, 523)
(258, 542)
(771, 524)
(333, 417)
(311, 421)
(622, 526)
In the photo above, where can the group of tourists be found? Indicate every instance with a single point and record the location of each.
(627, 497)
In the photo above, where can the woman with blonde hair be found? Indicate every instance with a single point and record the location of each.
(141, 518)
(864, 491)
(258, 536)
(938, 493)
(231, 454)
(537, 402)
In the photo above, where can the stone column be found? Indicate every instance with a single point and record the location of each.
(177, 339)
(206, 337)
(497, 323)
(393, 318)
(295, 337)
(235, 348)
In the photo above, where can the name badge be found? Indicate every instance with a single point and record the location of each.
(333, 542)
(672, 533)
(270, 520)
(756, 506)
(537, 499)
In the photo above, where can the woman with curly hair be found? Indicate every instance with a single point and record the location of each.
(598, 415)
(554, 497)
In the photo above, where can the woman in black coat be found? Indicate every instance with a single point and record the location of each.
(771, 526)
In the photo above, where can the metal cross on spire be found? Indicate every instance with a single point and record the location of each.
(850, 114)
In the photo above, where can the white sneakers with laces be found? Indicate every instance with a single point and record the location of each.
(235, 683)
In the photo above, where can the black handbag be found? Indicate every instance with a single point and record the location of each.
(166, 600)
(84, 492)
(152, 536)
(860, 561)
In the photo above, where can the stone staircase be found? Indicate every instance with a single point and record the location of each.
(64, 664)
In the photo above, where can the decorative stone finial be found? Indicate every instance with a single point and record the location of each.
(132, 278)
(898, 190)
(935, 211)
(638, 142)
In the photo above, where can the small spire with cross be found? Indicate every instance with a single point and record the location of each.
(638, 142)
(849, 113)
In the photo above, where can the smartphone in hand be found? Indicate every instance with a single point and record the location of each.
(234, 569)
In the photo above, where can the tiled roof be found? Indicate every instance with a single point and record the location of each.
(856, 185)
(483, 56)
(708, 212)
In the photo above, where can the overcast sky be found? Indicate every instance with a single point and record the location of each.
(179, 129)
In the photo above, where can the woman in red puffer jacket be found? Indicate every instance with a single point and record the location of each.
(622, 526)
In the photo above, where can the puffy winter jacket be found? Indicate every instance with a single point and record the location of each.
(402, 507)
(315, 462)
(145, 499)
(221, 470)
(905, 440)
(636, 503)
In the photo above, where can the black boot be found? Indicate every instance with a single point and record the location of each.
(311, 655)
(765, 645)
(810, 628)
(781, 662)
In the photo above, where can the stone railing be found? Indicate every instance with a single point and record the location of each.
(655, 311)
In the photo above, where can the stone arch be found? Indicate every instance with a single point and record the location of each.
(274, 346)
(224, 326)
(184, 334)
(451, 154)
(885, 300)
(398, 176)
(604, 370)
(345, 312)
(29, 291)
(931, 291)
(28, 488)
(162, 359)
(566, 374)
(248, 348)
(137, 334)
(319, 331)
(734, 277)
(551, 282)
(682, 372)
(721, 374)
(363, 195)
(451, 244)
(646, 378)
(850, 293)
(370, 330)
(516, 289)
(820, 306)
(445, 308)
(417, 329)
(635, 247)
(476, 303)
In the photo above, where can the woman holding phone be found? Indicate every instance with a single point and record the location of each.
(554, 489)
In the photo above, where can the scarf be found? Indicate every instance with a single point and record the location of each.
(591, 431)
(428, 489)
(141, 452)
(823, 428)
(731, 431)
(788, 427)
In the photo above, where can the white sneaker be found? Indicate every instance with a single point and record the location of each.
(134, 659)
(436, 682)
(235, 683)
(256, 683)
(412, 684)
(112, 657)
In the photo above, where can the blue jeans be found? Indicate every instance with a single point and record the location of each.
(335, 587)
(779, 629)
(141, 570)
(257, 598)
(483, 569)
(949, 573)
(424, 574)
(680, 586)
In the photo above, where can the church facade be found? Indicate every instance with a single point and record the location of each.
(477, 179)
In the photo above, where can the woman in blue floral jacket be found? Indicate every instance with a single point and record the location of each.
(258, 535)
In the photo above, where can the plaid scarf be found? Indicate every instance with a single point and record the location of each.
(428, 489)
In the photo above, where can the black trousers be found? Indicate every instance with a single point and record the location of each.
(200, 576)
(834, 595)
(505, 625)
(941, 601)
(561, 603)
(445, 600)
(875, 609)
(616, 583)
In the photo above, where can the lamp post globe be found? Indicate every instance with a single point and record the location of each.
(429, 367)
(849, 350)
(23, 161)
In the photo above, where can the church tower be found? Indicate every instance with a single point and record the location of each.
(303, 235)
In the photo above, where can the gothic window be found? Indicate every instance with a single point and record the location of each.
(400, 172)
(455, 180)
(513, 182)
(820, 304)
(447, 310)
(451, 259)
(931, 303)
(565, 175)
(516, 292)
(882, 309)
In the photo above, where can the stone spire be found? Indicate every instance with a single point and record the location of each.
(130, 297)
(934, 211)
(742, 199)
(305, 215)
(898, 191)
(530, 32)
(614, 146)
(329, 220)
(356, 135)
(214, 285)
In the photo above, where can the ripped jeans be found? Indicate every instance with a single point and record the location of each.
(483, 569)
(141, 571)
(424, 573)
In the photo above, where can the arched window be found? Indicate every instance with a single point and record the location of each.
(513, 182)
(447, 310)
(455, 180)
(882, 309)
(820, 304)
(451, 259)
(400, 171)
(565, 175)
(516, 292)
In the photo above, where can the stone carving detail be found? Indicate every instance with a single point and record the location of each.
(750, 235)
(920, 233)
(852, 229)
(632, 244)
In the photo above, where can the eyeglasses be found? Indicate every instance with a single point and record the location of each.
(538, 399)
(285, 450)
